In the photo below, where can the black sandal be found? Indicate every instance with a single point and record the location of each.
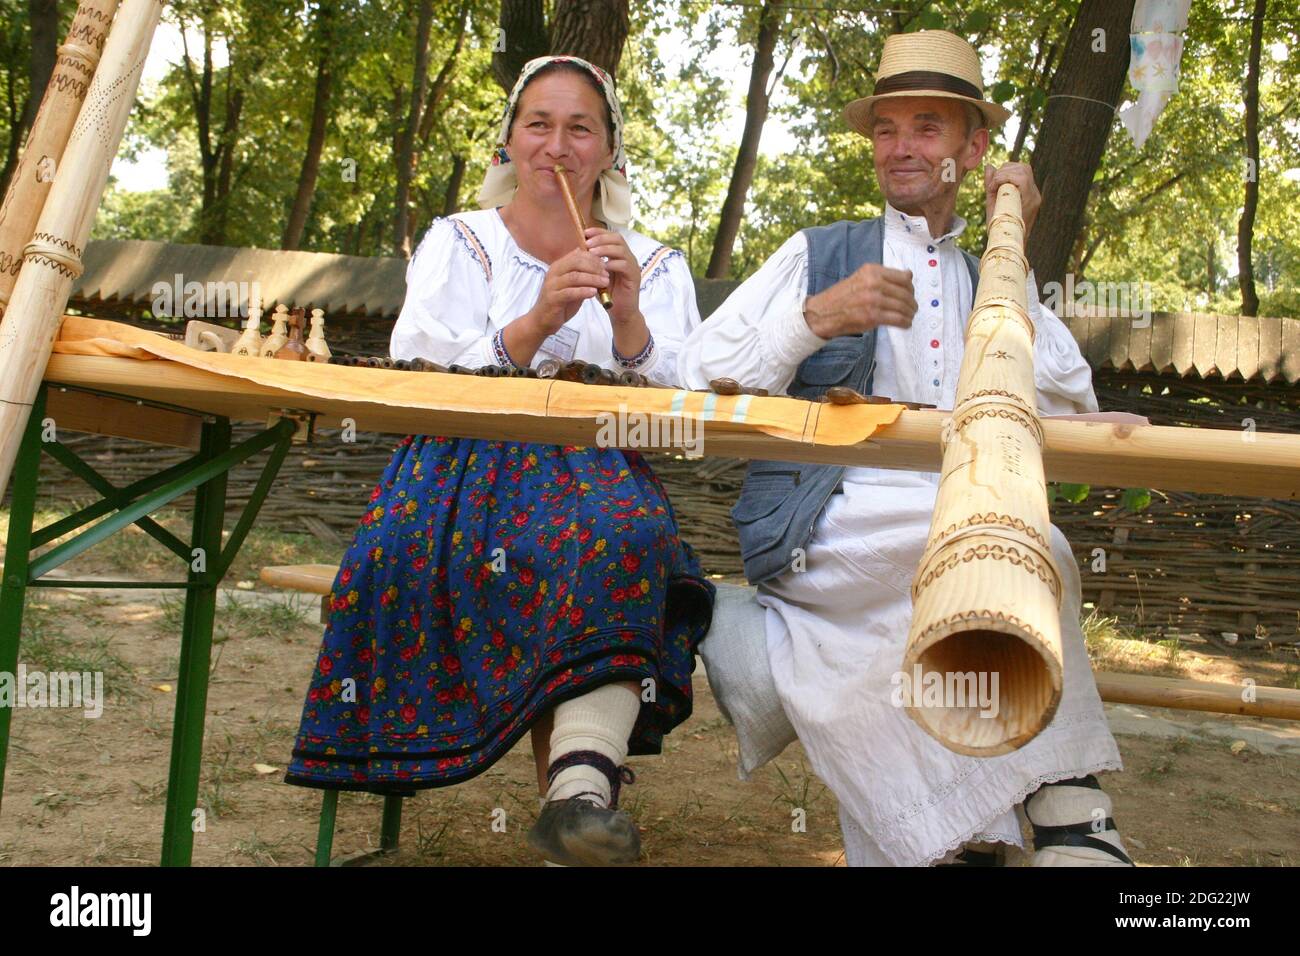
(577, 832)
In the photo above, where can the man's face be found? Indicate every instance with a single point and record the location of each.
(922, 150)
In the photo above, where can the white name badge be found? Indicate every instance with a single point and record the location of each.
(561, 346)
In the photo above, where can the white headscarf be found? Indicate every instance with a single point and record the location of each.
(613, 200)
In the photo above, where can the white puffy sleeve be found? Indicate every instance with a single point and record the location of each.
(444, 317)
(1061, 374)
(668, 303)
(758, 336)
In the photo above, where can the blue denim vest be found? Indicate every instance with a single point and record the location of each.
(781, 500)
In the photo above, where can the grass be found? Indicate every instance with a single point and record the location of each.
(44, 645)
(242, 618)
(215, 795)
(1166, 759)
(797, 793)
(1113, 647)
(260, 851)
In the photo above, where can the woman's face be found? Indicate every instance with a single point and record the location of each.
(560, 120)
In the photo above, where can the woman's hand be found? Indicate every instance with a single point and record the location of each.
(569, 281)
(625, 318)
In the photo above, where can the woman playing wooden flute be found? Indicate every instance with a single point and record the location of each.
(495, 587)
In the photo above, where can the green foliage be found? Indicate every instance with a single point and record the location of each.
(1136, 499)
(1165, 215)
(1074, 494)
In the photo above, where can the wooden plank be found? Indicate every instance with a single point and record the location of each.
(1121, 331)
(1270, 349)
(1205, 340)
(1105, 454)
(1097, 350)
(1248, 346)
(1139, 344)
(1162, 342)
(102, 415)
(1225, 349)
(1291, 350)
(1184, 326)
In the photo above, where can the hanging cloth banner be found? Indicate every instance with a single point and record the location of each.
(1156, 45)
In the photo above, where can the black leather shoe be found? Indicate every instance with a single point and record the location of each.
(577, 832)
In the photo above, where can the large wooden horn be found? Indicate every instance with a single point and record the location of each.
(74, 67)
(52, 260)
(986, 598)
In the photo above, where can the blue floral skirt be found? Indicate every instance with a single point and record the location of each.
(488, 582)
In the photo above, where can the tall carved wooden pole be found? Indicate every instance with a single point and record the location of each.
(74, 68)
(52, 260)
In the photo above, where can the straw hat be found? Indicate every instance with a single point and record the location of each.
(926, 63)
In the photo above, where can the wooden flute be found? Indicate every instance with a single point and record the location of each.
(561, 174)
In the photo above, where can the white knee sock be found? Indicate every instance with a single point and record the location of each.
(1063, 805)
(601, 721)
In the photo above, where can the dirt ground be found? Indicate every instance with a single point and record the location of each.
(91, 791)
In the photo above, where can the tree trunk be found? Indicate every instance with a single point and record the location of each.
(451, 202)
(742, 175)
(220, 219)
(320, 111)
(592, 29)
(405, 154)
(522, 37)
(1076, 124)
(1246, 227)
(44, 16)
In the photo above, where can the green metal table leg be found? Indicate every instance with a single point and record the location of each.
(13, 590)
(325, 835)
(196, 655)
(391, 828)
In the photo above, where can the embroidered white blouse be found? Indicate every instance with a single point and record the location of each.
(469, 279)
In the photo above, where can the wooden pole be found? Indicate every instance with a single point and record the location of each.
(52, 260)
(74, 67)
(1277, 702)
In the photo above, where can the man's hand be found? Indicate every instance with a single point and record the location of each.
(871, 297)
(1019, 174)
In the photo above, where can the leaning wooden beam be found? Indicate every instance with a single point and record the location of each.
(1098, 453)
(1199, 695)
(53, 259)
(74, 68)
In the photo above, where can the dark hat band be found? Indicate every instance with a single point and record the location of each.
(927, 80)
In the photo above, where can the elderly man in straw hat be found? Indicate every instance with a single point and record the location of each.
(880, 305)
